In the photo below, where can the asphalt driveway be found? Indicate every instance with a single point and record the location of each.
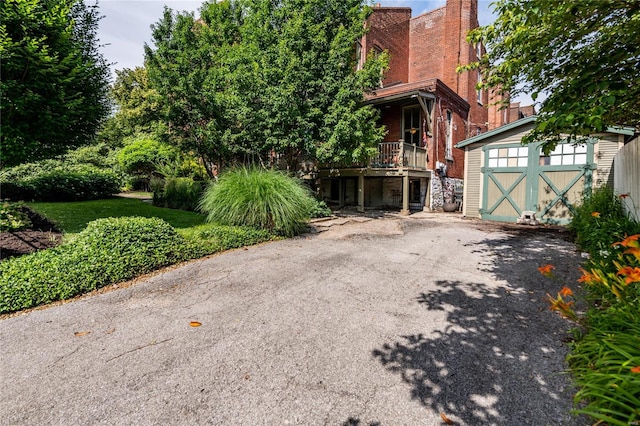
(374, 322)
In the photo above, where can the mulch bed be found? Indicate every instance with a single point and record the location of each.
(42, 235)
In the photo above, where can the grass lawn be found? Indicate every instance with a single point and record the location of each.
(72, 217)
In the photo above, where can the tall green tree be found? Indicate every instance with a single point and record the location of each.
(583, 55)
(251, 78)
(53, 79)
(187, 66)
(137, 108)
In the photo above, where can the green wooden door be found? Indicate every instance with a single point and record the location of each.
(517, 178)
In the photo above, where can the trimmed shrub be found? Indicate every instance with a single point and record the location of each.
(53, 180)
(141, 154)
(106, 251)
(76, 184)
(266, 199)
(210, 238)
(182, 193)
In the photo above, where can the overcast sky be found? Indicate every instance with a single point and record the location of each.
(125, 27)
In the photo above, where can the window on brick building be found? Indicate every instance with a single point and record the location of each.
(359, 57)
(449, 148)
(411, 125)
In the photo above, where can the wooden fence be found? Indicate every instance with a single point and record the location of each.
(626, 176)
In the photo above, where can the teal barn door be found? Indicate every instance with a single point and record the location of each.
(519, 178)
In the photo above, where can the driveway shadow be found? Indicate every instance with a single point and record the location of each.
(499, 357)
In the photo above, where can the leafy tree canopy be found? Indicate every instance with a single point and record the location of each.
(53, 80)
(250, 78)
(583, 55)
(137, 107)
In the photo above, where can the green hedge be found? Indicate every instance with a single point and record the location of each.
(54, 181)
(210, 238)
(107, 251)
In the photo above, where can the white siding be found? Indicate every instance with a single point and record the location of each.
(608, 146)
(472, 182)
(627, 176)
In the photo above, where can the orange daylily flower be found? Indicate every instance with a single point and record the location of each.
(623, 195)
(635, 251)
(631, 274)
(564, 308)
(628, 241)
(635, 369)
(546, 270)
(595, 214)
(589, 277)
(566, 291)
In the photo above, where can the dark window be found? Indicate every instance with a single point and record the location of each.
(411, 129)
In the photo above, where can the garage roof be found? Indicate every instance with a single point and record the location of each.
(628, 131)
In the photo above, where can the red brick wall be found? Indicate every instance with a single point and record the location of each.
(461, 17)
(426, 46)
(389, 30)
(497, 116)
(392, 118)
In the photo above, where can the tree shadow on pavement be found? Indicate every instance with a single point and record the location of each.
(352, 421)
(499, 356)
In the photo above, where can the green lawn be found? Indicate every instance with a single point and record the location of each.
(72, 217)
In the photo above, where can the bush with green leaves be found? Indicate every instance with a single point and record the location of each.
(320, 209)
(182, 193)
(156, 185)
(106, 251)
(99, 155)
(13, 217)
(59, 183)
(84, 173)
(211, 238)
(140, 155)
(600, 221)
(266, 199)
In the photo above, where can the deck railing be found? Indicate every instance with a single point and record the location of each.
(400, 154)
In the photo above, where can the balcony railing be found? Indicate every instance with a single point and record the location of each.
(400, 154)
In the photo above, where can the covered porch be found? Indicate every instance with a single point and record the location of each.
(396, 178)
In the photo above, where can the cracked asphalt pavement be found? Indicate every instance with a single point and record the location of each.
(384, 321)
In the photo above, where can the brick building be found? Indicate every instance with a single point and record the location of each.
(426, 106)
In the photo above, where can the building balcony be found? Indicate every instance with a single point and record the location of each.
(399, 155)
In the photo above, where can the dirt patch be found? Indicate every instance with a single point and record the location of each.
(41, 235)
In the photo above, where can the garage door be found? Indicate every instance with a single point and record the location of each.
(518, 178)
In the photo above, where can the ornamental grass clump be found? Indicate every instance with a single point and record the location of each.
(263, 199)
